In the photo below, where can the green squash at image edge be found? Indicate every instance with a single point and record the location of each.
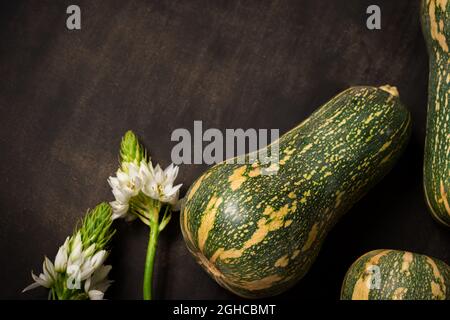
(256, 233)
(435, 16)
(396, 275)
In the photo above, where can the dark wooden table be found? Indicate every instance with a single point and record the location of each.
(66, 97)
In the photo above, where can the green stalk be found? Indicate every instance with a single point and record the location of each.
(150, 259)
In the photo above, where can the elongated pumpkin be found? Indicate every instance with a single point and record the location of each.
(436, 28)
(258, 234)
(396, 275)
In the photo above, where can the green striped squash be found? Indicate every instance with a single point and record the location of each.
(436, 28)
(396, 275)
(257, 234)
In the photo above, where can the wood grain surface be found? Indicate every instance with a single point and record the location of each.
(66, 97)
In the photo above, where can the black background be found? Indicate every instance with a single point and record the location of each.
(66, 98)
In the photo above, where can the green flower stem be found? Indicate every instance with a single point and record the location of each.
(155, 227)
(150, 260)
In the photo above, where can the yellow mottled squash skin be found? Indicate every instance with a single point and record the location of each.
(396, 275)
(435, 16)
(257, 234)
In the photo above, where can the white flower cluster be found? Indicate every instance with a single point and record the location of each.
(131, 179)
(79, 268)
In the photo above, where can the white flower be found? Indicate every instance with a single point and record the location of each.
(77, 265)
(92, 263)
(82, 265)
(160, 185)
(45, 279)
(76, 251)
(98, 283)
(125, 185)
(153, 182)
(62, 257)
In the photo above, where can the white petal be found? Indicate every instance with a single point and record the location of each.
(169, 190)
(136, 185)
(151, 189)
(96, 295)
(146, 190)
(178, 186)
(89, 251)
(101, 273)
(44, 281)
(35, 278)
(99, 258)
(122, 177)
(118, 206)
(99, 280)
(41, 281)
(145, 171)
(119, 209)
(133, 169)
(122, 195)
(169, 169)
(66, 243)
(172, 195)
(158, 174)
(49, 270)
(77, 241)
(87, 284)
(75, 256)
(86, 271)
(171, 173)
(114, 183)
(31, 286)
(61, 259)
